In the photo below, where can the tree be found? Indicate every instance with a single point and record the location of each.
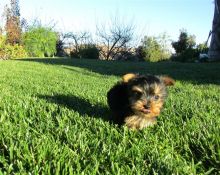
(156, 48)
(40, 41)
(60, 45)
(185, 48)
(13, 27)
(185, 42)
(81, 45)
(114, 40)
(15, 9)
(214, 49)
(152, 49)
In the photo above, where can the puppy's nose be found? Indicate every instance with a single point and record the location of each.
(147, 106)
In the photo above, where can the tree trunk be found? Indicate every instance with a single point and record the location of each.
(214, 49)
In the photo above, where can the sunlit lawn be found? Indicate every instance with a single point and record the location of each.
(54, 120)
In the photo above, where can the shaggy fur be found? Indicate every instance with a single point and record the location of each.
(137, 100)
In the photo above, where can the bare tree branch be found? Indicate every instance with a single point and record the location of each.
(76, 40)
(114, 40)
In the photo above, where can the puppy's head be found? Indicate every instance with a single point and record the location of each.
(146, 94)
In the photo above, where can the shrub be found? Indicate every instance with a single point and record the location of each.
(188, 55)
(40, 41)
(74, 54)
(11, 52)
(127, 56)
(8, 51)
(89, 51)
(202, 48)
(140, 53)
(191, 54)
(2, 40)
(60, 45)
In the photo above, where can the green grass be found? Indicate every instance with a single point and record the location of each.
(54, 120)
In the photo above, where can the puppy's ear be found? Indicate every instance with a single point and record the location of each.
(168, 81)
(127, 77)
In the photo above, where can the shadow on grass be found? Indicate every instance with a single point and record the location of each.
(200, 154)
(82, 106)
(196, 73)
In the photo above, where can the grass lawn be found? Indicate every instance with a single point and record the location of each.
(54, 120)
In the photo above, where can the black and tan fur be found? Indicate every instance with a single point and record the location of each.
(137, 100)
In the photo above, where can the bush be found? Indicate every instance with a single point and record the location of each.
(127, 56)
(140, 53)
(89, 51)
(202, 48)
(2, 40)
(60, 45)
(191, 54)
(8, 51)
(11, 52)
(40, 41)
(188, 55)
(74, 54)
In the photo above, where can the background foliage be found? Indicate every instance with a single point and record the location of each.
(185, 48)
(8, 51)
(13, 25)
(89, 51)
(40, 41)
(155, 49)
(119, 42)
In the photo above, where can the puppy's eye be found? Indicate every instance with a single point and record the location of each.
(156, 97)
(137, 93)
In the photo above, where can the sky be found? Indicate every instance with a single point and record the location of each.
(150, 17)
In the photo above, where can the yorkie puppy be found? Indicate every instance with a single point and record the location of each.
(137, 100)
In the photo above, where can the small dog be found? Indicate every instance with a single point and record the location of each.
(137, 100)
